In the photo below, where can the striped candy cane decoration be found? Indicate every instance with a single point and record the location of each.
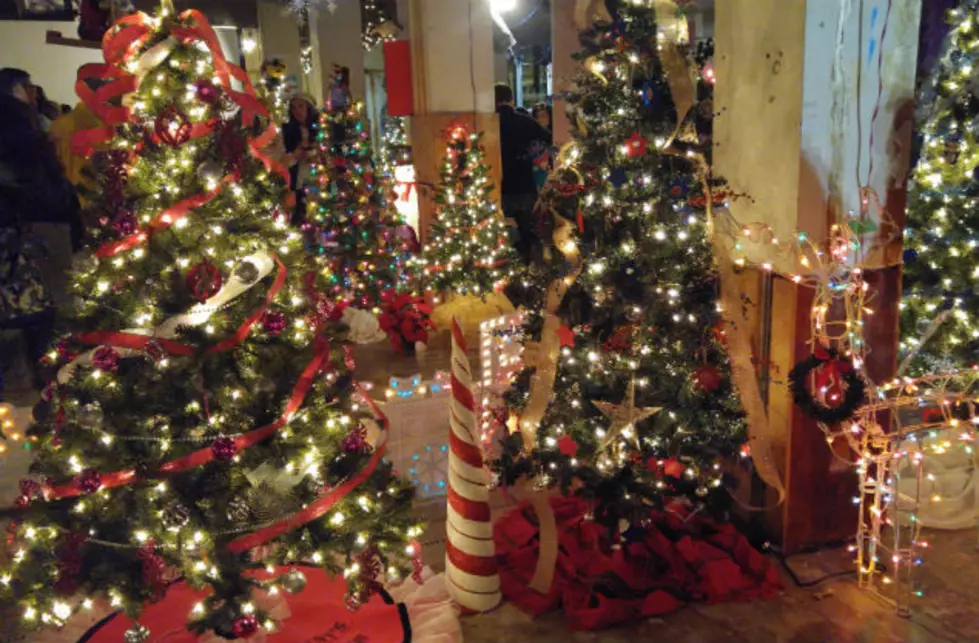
(470, 557)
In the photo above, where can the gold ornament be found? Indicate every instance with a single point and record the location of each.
(623, 417)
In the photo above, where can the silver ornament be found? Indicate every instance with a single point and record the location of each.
(137, 634)
(238, 510)
(294, 582)
(176, 515)
(210, 172)
(90, 417)
(247, 272)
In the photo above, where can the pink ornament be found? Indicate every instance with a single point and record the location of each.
(244, 626)
(105, 358)
(356, 441)
(207, 91)
(224, 449)
(125, 223)
(88, 481)
(273, 323)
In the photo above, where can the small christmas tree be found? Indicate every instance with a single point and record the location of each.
(351, 206)
(200, 411)
(642, 405)
(941, 267)
(469, 252)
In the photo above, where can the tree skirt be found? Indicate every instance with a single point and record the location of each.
(409, 613)
(667, 564)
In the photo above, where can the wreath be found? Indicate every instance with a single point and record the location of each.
(836, 374)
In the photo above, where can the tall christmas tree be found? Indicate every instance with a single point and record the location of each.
(941, 268)
(202, 424)
(642, 405)
(468, 252)
(351, 205)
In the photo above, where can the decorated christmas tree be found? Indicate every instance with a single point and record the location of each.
(940, 305)
(351, 206)
(628, 398)
(468, 251)
(205, 420)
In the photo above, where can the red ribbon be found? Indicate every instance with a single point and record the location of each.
(205, 455)
(164, 220)
(132, 341)
(830, 374)
(119, 43)
(327, 502)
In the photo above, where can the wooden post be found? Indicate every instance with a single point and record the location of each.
(796, 92)
(564, 43)
(452, 69)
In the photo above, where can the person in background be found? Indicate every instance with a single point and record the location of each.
(299, 136)
(543, 155)
(17, 83)
(518, 134)
(33, 192)
(47, 111)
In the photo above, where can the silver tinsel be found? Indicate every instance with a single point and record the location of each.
(247, 272)
(294, 582)
(137, 634)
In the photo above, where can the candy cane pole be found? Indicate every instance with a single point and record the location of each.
(470, 556)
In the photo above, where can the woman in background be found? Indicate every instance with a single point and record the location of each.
(299, 136)
(33, 192)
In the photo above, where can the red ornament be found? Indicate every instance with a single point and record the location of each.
(636, 145)
(172, 127)
(356, 441)
(567, 446)
(273, 323)
(621, 339)
(207, 91)
(673, 468)
(566, 335)
(204, 281)
(707, 378)
(154, 570)
(224, 449)
(88, 481)
(125, 223)
(244, 626)
(105, 358)
(720, 333)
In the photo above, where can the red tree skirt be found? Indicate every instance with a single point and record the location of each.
(668, 564)
(316, 613)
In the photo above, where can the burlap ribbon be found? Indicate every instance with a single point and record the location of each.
(543, 355)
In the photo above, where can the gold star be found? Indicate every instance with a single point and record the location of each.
(623, 417)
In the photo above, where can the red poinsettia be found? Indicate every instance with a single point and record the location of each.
(406, 319)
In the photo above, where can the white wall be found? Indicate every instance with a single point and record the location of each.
(453, 71)
(53, 67)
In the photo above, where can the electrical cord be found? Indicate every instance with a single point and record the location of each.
(784, 561)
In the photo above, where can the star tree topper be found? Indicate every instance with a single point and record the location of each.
(623, 417)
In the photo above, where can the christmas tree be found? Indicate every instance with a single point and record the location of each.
(201, 412)
(940, 305)
(642, 405)
(469, 252)
(351, 205)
